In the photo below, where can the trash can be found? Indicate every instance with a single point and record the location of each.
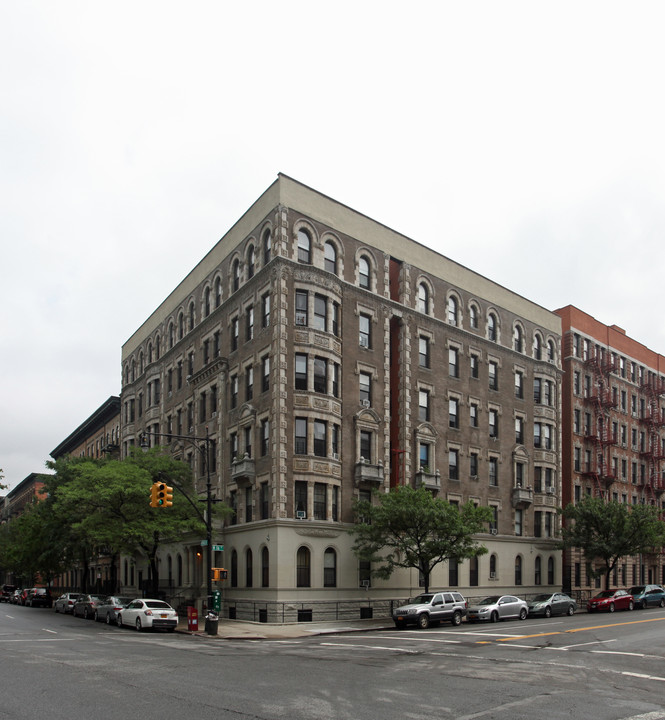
(212, 623)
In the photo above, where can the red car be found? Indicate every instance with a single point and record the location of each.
(610, 600)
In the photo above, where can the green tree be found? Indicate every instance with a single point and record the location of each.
(609, 531)
(410, 528)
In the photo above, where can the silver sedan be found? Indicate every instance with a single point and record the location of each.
(498, 607)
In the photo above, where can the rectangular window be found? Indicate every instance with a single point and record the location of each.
(473, 415)
(249, 323)
(423, 405)
(301, 308)
(519, 430)
(473, 465)
(493, 376)
(235, 328)
(320, 438)
(301, 436)
(519, 384)
(364, 327)
(265, 373)
(453, 362)
(300, 496)
(265, 437)
(248, 504)
(537, 523)
(536, 435)
(423, 455)
(493, 423)
(519, 521)
(320, 492)
(453, 464)
(301, 371)
(493, 466)
(474, 366)
(537, 390)
(365, 386)
(423, 352)
(265, 501)
(248, 441)
(366, 445)
(320, 375)
(334, 369)
(320, 313)
(453, 413)
(234, 391)
(249, 383)
(265, 310)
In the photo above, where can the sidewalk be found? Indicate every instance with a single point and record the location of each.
(239, 630)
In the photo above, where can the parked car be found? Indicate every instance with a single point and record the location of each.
(548, 604)
(645, 596)
(39, 597)
(65, 603)
(85, 605)
(15, 599)
(108, 609)
(23, 596)
(498, 607)
(610, 600)
(7, 592)
(431, 607)
(144, 614)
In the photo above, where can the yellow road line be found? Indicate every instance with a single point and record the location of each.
(573, 630)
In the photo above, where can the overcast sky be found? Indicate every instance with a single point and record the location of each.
(524, 140)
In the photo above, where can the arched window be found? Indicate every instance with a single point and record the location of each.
(363, 272)
(330, 258)
(473, 317)
(538, 348)
(218, 292)
(303, 569)
(304, 247)
(141, 363)
(452, 311)
(537, 572)
(169, 569)
(330, 568)
(518, 340)
(181, 326)
(149, 353)
(171, 335)
(158, 343)
(251, 262)
(248, 568)
(236, 275)
(518, 570)
(491, 327)
(550, 570)
(265, 567)
(267, 246)
(423, 298)
(492, 567)
(206, 302)
(473, 571)
(234, 568)
(179, 566)
(191, 316)
(550, 351)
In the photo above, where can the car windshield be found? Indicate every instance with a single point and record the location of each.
(605, 594)
(157, 604)
(492, 600)
(120, 600)
(637, 590)
(541, 598)
(420, 599)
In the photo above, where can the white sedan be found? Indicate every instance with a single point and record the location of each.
(143, 614)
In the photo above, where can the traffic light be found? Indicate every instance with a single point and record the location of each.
(154, 500)
(164, 495)
(219, 574)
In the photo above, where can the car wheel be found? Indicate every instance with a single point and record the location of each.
(95, 617)
(139, 627)
(662, 602)
(118, 621)
(108, 618)
(423, 621)
(494, 617)
(456, 619)
(611, 607)
(548, 612)
(631, 606)
(571, 610)
(85, 613)
(523, 613)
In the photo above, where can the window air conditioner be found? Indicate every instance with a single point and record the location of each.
(492, 576)
(301, 320)
(363, 341)
(364, 403)
(214, 414)
(335, 456)
(474, 477)
(549, 489)
(301, 515)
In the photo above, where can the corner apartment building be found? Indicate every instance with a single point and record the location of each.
(613, 440)
(328, 356)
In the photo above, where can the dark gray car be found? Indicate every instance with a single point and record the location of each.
(548, 604)
(106, 612)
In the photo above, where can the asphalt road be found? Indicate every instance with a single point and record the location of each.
(596, 667)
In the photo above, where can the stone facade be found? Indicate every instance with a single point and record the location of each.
(327, 356)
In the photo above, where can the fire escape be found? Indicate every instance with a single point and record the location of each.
(652, 451)
(599, 436)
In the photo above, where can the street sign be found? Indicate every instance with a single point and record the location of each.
(218, 548)
(217, 600)
(204, 543)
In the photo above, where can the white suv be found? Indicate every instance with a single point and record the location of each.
(429, 608)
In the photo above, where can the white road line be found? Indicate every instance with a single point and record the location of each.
(645, 677)
(592, 642)
(422, 638)
(373, 647)
(51, 631)
(657, 715)
(618, 652)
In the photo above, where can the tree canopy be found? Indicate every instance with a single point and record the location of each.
(607, 531)
(410, 528)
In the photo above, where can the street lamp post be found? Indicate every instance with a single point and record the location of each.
(205, 453)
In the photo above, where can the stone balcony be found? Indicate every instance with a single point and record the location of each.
(428, 480)
(522, 497)
(368, 474)
(243, 470)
